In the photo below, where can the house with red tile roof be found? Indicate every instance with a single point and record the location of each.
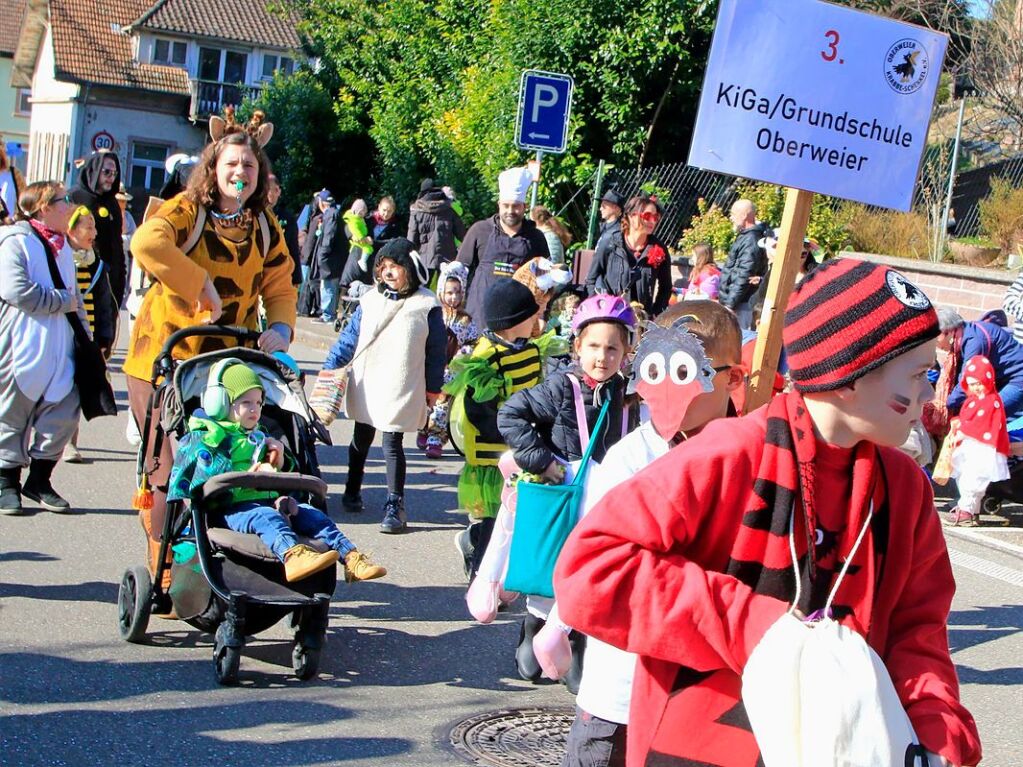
(14, 102)
(141, 78)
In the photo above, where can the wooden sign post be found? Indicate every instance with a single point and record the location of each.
(787, 260)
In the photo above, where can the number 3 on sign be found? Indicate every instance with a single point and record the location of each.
(832, 47)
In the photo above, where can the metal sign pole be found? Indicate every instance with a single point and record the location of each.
(539, 158)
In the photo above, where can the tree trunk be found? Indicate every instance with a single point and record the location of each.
(657, 112)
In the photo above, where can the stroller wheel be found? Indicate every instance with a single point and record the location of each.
(228, 659)
(133, 603)
(305, 661)
(991, 505)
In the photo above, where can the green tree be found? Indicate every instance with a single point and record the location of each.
(436, 82)
(311, 147)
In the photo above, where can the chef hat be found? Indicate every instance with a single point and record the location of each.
(513, 184)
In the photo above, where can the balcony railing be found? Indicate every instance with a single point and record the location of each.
(210, 97)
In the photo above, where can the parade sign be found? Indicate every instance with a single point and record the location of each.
(818, 97)
(545, 103)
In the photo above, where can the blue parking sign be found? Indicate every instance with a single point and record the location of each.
(545, 103)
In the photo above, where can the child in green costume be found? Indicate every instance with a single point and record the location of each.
(505, 360)
(358, 232)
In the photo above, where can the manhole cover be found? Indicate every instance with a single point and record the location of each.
(525, 737)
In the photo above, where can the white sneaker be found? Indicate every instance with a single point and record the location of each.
(131, 432)
(72, 454)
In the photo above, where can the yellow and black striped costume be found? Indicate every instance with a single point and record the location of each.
(482, 382)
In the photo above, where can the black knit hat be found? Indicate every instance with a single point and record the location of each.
(614, 198)
(507, 303)
(848, 317)
(402, 252)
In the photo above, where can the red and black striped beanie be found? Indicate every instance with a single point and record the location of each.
(847, 318)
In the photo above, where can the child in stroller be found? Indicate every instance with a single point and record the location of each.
(225, 436)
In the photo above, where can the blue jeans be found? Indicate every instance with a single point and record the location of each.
(329, 290)
(273, 529)
(305, 272)
(1012, 398)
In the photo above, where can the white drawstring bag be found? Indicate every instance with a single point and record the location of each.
(817, 695)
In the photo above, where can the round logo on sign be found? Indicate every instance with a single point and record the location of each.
(906, 292)
(906, 66)
(102, 140)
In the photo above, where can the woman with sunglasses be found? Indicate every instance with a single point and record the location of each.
(632, 262)
(39, 404)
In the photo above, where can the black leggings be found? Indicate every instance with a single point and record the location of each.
(394, 457)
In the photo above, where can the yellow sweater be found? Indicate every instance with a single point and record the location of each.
(239, 272)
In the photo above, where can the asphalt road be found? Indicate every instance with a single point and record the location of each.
(403, 663)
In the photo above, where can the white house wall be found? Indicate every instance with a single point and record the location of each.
(53, 112)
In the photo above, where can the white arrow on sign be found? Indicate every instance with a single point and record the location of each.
(539, 135)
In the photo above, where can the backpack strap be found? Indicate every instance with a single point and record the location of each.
(196, 233)
(580, 413)
(264, 234)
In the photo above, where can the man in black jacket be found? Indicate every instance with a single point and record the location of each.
(746, 260)
(611, 206)
(331, 254)
(433, 226)
(497, 246)
(96, 188)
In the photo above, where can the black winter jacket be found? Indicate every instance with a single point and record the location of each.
(616, 271)
(540, 423)
(109, 247)
(433, 227)
(745, 259)
(332, 248)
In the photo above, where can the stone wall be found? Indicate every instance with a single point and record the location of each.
(972, 291)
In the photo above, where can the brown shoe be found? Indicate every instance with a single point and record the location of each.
(359, 568)
(301, 561)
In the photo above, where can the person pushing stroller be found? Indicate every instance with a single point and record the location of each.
(225, 436)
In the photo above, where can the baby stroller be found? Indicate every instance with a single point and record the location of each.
(221, 581)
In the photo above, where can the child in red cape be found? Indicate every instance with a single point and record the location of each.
(981, 451)
(700, 568)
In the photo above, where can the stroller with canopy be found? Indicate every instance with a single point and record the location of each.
(221, 581)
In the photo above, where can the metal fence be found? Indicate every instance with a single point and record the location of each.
(678, 186)
(974, 185)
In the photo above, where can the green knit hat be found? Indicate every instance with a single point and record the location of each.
(239, 379)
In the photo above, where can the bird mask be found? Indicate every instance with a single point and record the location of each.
(669, 371)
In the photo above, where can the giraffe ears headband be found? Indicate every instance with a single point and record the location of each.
(260, 130)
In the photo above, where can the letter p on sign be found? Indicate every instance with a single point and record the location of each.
(545, 103)
(544, 96)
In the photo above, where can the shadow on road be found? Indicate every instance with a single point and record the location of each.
(201, 735)
(27, 556)
(91, 591)
(995, 622)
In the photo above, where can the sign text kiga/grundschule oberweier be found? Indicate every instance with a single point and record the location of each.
(789, 108)
(839, 104)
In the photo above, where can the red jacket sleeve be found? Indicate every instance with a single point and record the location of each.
(917, 651)
(638, 571)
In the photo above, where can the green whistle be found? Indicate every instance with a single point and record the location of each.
(239, 185)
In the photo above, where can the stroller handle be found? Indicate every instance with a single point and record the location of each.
(278, 482)
(164, 363)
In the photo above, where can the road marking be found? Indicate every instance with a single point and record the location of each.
(986, 567)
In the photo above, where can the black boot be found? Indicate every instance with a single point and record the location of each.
(10, 491)
(575, 671)
(394, 520)
(38, 488)
(525, 658)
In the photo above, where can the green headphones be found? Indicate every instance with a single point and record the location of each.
(215, 400)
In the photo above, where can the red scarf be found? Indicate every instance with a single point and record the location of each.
(786, 480)
(982, 416)
(55, 238)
